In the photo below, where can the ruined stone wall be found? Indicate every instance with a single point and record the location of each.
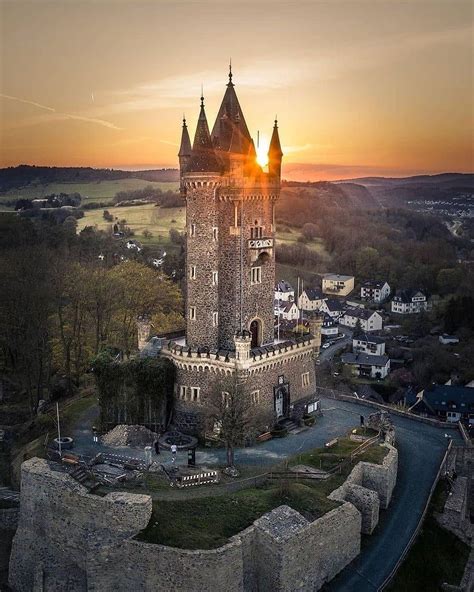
(295, 554)
(60, 522)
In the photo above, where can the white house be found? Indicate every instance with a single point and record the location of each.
(374, 291)
(336, 284)
(329, 327)
(284, 291)
(368, 344)
(290, 312)
(367, 365)
(409, 301)
(311, 299)
(369, 320)
(332, 307)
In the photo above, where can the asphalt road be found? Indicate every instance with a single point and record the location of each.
(421, 448)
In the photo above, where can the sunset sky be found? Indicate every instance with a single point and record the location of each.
(360, 87)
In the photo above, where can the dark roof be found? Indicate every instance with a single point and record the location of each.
(365, 359)
(185, 147)
(289, 305)
(283, 286)
(407, 295)
(360, 313)
(370, 338)
(442, 397)
(203, 156)
(230, 132)
(275, 151)
(373, 284)
(334, 304)
(328, 321)
(313, 293)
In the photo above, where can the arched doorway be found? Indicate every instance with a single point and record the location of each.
(256, 332)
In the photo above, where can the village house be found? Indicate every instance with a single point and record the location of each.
(332, 307)
(368, 344)
(409, 301)
(369, 320)
(329, 327)
(367, 365)
(289, 311)
(311, 299)
(284, 291)
(447, 402)
(336, 284)
(374, 291)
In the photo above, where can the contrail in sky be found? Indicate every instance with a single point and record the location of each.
(64, 115)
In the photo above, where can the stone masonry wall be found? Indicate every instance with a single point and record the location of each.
(9, 518)
(70, 540)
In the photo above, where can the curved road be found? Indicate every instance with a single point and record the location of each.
(421, 448)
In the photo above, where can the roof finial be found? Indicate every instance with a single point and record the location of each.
(276, 120)
(230, 83)
(202, 95)
(184, 120)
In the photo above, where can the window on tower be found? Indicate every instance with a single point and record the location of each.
(192, 313)
(256, 275)
(215, 319)
(256, 232)
(215, 276)
(192, 230)
(192, 272)
(214, 233)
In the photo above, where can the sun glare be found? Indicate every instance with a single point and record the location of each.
(262, 151)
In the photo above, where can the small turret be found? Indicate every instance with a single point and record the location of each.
(275, 153)
(203, 157)
(184, 153)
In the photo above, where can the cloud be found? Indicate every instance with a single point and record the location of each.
(55, 115)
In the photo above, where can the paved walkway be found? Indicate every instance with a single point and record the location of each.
(421, 448)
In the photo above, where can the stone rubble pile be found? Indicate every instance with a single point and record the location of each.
(129, 435)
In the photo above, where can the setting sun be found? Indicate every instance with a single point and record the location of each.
(262, 150)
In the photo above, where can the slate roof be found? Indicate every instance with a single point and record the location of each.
(337, 277)
(359, 313)
(442, 397)
(283, 286)
(377, 284)
(365, 359)
(313, 293)
(369, 338)
(203, 156)
(406, 295)
(333, 304)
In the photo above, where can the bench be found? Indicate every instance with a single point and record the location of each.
(264, 437)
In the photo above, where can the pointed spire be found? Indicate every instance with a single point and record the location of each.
(230, 116)
(274, 149)
(275, 152)
(203, 157)
(185, 147)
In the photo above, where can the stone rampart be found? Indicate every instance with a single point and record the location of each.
(70, 539)
(369, 487)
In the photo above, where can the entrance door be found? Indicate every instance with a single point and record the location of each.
(279, 403)
(255, 332)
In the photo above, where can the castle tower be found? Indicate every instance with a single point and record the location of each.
(230, 232)
(230, 278)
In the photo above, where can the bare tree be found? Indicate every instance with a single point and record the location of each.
(230, 410)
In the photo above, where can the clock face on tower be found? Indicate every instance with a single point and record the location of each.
(260, 243)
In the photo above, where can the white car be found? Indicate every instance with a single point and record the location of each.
(325, 345)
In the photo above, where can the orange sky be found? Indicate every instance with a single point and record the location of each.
(374, 87)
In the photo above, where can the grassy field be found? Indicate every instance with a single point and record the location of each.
(95, 191)
(157, 220)
(436, 557)
(206, 523)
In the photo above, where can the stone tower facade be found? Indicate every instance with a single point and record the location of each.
(230, 272)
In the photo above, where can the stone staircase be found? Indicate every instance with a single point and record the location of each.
(289, 424)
